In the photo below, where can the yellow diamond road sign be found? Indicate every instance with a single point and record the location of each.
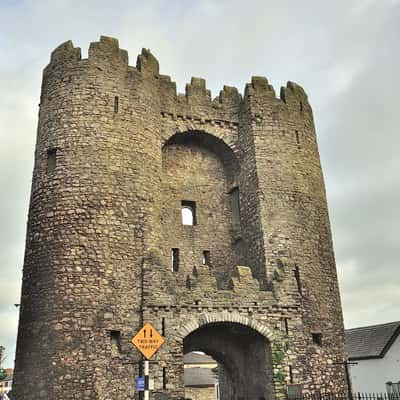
(148, 340)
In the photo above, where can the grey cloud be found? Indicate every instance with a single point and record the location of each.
(360, 151)
(344, 53)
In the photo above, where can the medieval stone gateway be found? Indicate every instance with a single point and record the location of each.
(206, 217)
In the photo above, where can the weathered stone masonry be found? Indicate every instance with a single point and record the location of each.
(118, 154)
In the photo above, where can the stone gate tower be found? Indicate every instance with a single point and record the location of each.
(247, 276)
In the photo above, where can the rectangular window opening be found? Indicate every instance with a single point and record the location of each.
(188, 282)
(115, 338)
(297, 137)
(116, 104)
(290, 374)
(175, 259)
(297, 277)
(206, 257)
(317, 338)
(285, 321)
(189, 212)
(163, 326)
(51, 160)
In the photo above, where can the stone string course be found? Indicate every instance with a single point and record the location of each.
(104, 217)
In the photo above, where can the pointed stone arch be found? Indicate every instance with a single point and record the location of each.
(225, 150)
(227, 135)
(196, 322)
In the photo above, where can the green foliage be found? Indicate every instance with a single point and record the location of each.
(280, 376)
(279, 350)
(278, 356)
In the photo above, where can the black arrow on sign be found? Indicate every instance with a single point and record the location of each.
(151, 332)
(144, 333)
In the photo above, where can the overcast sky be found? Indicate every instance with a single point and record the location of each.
(345, 53)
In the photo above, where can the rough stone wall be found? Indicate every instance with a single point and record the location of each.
(117, 151)
(196, 174)
(297, 225)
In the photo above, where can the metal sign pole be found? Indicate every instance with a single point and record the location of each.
(146, 380)
(147, 341)
(141, 362)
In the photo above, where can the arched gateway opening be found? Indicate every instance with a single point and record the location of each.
(243, 356)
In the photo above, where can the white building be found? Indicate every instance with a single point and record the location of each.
(201, 380)
(376, 350)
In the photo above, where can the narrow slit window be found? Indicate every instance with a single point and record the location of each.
(235, 203)
(206, 257)
(297, 277)
(164, 378)
(290, 374)
(189, 212)
(297, 137)
(285, 321)
(301, 107)
(116, 104)
(317, 338)
(163, 327)
(175, 259)
(51, 160)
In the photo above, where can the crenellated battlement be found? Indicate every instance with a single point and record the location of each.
(147, 63)
(229, 95)
(294, 96)
(65, 52)
(243, 280)
(196, 91)
(106, 53)
(201, 286)
(259, 86)
(107, 49)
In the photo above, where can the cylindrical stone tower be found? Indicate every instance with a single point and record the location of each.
(92, 214)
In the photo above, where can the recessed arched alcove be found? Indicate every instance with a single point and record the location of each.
(198, 214)
(216, 145)
(243, 355)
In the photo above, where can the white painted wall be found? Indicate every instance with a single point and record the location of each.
(371, 375)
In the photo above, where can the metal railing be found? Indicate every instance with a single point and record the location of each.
(346, 396)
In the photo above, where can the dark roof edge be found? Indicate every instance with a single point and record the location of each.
(200, 362)
(371, 326)
(385, 349)
(390, 342)
(200, 385)
(364, 358)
